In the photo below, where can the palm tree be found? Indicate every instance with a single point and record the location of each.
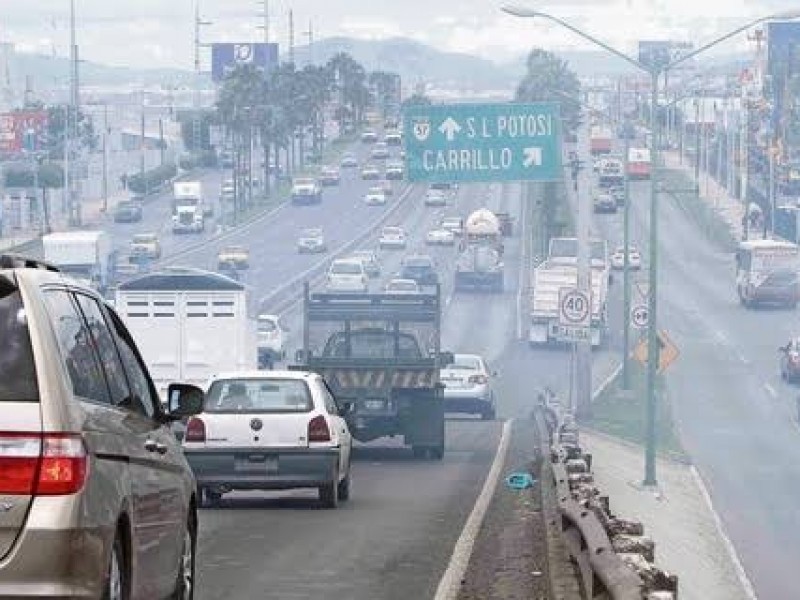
(351, 79)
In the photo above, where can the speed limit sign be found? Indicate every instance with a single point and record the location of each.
(574, 308)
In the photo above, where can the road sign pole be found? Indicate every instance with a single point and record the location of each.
(652, 337)
(626, 283)
(583, 355)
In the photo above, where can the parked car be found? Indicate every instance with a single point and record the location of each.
(420, 268)
(90, 470)
(468, 386)
(270, 430)
(128, 211)
(312, 240)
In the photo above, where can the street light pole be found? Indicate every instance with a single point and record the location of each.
(626, 273)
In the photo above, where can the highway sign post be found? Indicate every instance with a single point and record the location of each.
(640, 316)
(574, 315)
(483, 142)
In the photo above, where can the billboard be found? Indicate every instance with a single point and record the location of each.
(225, 57)
(22, 130)
(661, 53)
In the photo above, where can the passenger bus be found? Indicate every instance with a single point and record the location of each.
(767, 272)
(639, 164)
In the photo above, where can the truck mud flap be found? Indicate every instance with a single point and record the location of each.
(424, 425)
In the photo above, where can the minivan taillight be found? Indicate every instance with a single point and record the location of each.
(318, 430)
(52, 464)
(195, 430)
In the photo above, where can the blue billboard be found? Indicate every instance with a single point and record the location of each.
(226, 57)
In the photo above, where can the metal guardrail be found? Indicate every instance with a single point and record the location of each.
(613, 557)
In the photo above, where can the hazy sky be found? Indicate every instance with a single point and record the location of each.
(148, 33)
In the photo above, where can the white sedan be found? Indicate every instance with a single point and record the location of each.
(270, 430)
(402, 286)
(440, 237)
(634, 258)
(392, 237)
(376, 196)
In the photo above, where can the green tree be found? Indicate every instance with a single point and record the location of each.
(386, 87)
(351, 82)
(549, 79)
(417, 99)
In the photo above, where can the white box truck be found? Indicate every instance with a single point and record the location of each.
(188, 324)
(188, 207)
(86, 255)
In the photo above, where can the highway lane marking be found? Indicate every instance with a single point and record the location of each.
(770, 390)
(741, 574)
(450, 583)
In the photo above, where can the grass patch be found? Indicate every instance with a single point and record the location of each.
(622, 414)
(677, 185)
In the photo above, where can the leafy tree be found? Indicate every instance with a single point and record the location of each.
(351, 82)
(549, 79)
(417, 99)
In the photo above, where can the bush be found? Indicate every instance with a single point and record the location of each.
(151, 180)
(51, 175)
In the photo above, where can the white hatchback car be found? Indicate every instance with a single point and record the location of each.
(392, 237)
(376, 196)
(270, 430)
(634, 258)
(347, 275)
(440, 237)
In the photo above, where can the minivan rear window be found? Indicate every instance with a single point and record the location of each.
(17, 366)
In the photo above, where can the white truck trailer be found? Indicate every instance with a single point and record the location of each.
(189, 324)
(188, 209)
(86, 255)
(480, 262)
(559, 271)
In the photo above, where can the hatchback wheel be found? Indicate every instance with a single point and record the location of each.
(184, 587)
(344, 486)
(117, 577)
(329, 494)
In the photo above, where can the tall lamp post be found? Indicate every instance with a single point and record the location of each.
(655, 70)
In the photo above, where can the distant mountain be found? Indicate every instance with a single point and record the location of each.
(46, 72)
(416, 62)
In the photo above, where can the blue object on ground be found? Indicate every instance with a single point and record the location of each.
(520, 481)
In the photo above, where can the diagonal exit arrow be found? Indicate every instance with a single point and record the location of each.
(533, 157)
(450, 128)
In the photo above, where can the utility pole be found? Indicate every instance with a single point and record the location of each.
(626, 274)
(310, 36)
(291, 36)
(583, 350)
(265, 15)
(104, 187)
(142, 150)
(197, 141)
(73, 112)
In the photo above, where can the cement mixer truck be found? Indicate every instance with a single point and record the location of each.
(480, 262)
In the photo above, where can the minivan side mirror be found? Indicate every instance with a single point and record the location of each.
(184, 400)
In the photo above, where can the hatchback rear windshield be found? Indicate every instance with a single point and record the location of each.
(258, 395)
(17, 366)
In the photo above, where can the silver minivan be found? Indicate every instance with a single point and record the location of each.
(96, 497)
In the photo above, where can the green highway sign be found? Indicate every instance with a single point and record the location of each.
(483, 142)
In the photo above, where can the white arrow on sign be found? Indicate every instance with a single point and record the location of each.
(450, 128)
(533, 157)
